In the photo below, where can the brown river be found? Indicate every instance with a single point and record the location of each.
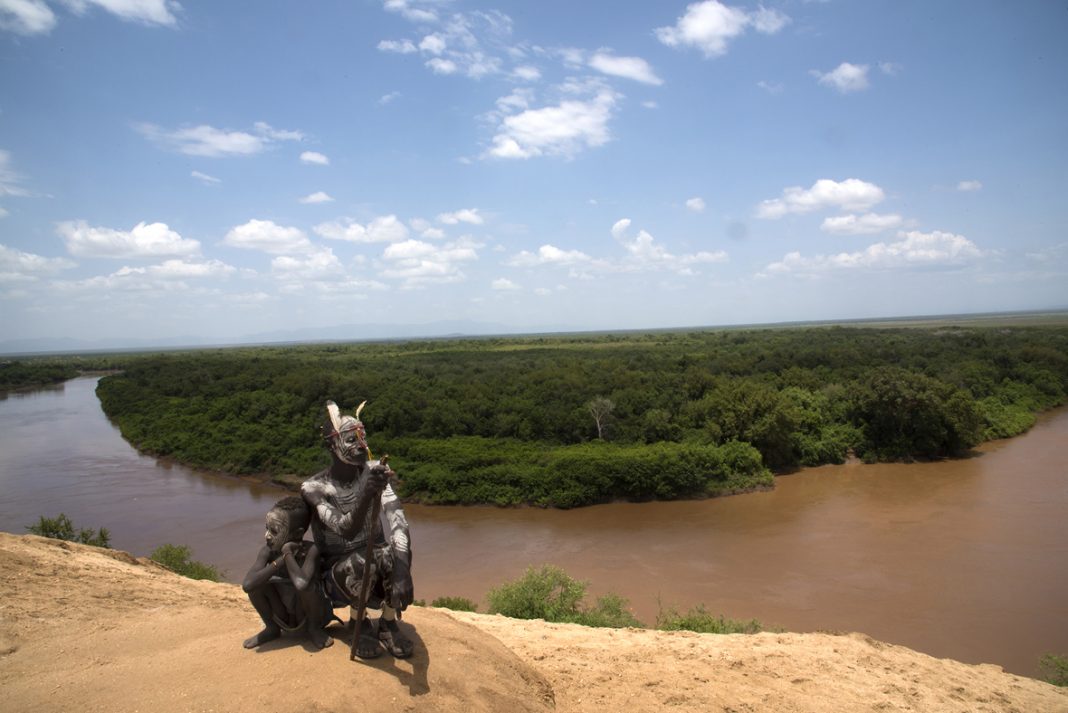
(965, 559)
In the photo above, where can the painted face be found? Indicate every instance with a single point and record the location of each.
(350, 445)
(278, 531)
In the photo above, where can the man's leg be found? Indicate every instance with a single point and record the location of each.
(314, 605)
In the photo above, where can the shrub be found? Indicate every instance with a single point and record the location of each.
(1054, 669)
(700, 620)
(548, 593)
(61, 528)
(455, 603)
(177, 559)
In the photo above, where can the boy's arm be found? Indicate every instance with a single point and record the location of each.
(302, 575)
(261, 570)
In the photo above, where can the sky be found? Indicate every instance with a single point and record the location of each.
(218, 170)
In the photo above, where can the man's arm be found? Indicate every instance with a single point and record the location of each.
(345, 524)
(403, 588)
(301, 575)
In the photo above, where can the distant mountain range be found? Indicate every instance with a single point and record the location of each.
(341, 333)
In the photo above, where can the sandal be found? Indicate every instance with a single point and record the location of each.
(396, 643)
(367, 647)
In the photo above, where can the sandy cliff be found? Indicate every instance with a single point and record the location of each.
(83, 629)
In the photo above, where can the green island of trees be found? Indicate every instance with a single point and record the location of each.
(572, 420)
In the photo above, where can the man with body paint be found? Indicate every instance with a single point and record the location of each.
(340, 499)
(283, 583)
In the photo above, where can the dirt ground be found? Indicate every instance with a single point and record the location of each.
(83, 629)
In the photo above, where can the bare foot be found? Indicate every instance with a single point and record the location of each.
(268, 634)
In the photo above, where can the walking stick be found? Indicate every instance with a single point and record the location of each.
(365, 583)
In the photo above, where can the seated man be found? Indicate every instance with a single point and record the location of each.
(283, 583)
(340, 499)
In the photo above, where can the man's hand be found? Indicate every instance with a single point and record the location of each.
(290, 548)
(379, 477)
(403, 589)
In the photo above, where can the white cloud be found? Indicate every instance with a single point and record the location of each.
(434, 44)
(314, 157)
(10, 180)
(861, 224)
(913, 249)
(146, 12)
(208, 141)
(383, 229)
(645, 253)
(650, 104)
(464, 215)
(969, 186)
(418, 263)
(3, 212)
(388, 98)
(889, 68)
(265, 235)
(442, 66)
(771, 87)
(398, 46)
(845, 77)
(548, 255)
(144, 240)
(710, 25)
(205, 178)
(26, 17)
(181, 269)
(411, 11)
(317, 197)
(504, 284)
(527, 73)
(561, 130)
(315, 265)
(696, 204)
(851, 194)
(19, 266)
(634, 68)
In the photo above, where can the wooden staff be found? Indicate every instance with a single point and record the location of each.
(365, 583)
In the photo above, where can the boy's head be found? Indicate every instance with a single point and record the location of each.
(286, 522)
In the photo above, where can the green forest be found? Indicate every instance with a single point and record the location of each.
(572, 420)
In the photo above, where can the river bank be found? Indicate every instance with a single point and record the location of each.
(93, 630)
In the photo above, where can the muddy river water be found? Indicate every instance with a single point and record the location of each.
(966, 559)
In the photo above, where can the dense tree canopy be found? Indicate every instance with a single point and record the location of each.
(508, 419)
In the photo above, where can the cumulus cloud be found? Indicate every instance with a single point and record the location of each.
(845, 77)
(912, 249)
(561, 130)
(398, 46)
(317, 197)
(145, 12)
(464, 215)
(710, 25)
(19, 266)
(412, 10)
(527, 73)
(434, 44)
(548, 255)
(696, 204)
(634, 68)
(861, 224)
(183, 269)
(208, 141)
(143, 240)
(388, 98)
(269, 237)
(314, 157)
(205, 178)
(504, 284)
(442, 66)
(851, 194)
(969, 186)
(383, 229)
(26, 17)
(889, 68)
(417, 263)
(315, 265)
(644, 252)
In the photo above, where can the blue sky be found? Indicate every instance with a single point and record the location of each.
(224, 169)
